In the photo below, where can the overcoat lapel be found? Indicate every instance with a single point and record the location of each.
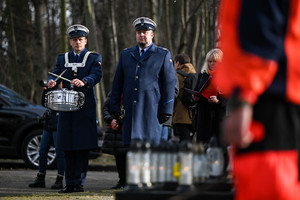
(148, 53)
(135, 54)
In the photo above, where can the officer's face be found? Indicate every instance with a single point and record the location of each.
(78, 43)
(144, 38)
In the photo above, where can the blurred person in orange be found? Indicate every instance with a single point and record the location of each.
(260, 73)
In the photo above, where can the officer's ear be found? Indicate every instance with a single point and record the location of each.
(152, 33)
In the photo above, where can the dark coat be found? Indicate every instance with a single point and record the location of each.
(209, 116)
(112, 142)
(50, 117)
(77, 130)
(147, 84)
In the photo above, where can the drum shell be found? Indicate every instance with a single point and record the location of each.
(64, 100)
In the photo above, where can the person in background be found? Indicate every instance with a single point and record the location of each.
(77, 130)
(112, 143)
(145, 80)
(260, 74)
(182, 123)
(49, 134)
(211, 106)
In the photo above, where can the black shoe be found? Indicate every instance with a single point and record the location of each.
(58, 183)
(39, 181)
(67, 189)
(78, 188)
(118, 186)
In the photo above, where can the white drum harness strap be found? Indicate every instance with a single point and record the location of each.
(76, 65)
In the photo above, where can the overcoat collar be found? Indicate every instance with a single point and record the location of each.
(82, 53)
(135, 53)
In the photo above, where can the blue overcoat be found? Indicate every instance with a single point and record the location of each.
(147, 84)
(77, 130)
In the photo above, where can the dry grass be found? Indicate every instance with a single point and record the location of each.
(102, 195)
(104, 159)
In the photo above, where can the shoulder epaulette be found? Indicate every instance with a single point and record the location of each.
(163, 48)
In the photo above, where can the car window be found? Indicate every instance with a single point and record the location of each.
(12, 97)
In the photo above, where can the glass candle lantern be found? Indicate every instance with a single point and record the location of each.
(216, 157)
(145, 164)
(201, 164)
(153, 165)
(169, 167)
(133, 169)
(161, 167)
(186, 166)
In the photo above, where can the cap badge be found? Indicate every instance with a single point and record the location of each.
(142, 22)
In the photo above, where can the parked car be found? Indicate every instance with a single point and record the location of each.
(21, 130)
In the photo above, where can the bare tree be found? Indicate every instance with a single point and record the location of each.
(92, 38)
(186, 19)
(168, 26)
(114, 33)
(12, 47)
(63, 27)
(39, 50)
(196, 40)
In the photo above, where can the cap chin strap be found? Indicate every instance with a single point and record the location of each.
(76, 65)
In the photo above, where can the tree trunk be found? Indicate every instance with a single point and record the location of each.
(153, 16)
(114, 33)
(92, 43)
(182, 46)
(63, 27)
(206, 35)
(12, 48)
(168, 27)
(196, 40)
(39, 49)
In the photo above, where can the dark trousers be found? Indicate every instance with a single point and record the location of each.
(121, 167)
(76, 163)
(183, 131)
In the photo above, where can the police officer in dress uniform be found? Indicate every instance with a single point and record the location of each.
(146, 78)
(77, 130)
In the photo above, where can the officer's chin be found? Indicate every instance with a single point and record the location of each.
(142, 44)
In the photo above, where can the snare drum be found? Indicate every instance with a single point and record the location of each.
(64, 100)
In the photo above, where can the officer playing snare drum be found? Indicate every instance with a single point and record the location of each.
(77, 130)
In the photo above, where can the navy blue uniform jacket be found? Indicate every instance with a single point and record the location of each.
(77, 130)
(147, 84)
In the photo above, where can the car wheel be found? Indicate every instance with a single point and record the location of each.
(30, 151)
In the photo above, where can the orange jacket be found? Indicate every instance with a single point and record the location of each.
(261, 48)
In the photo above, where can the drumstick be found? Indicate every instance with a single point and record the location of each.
(59, 77)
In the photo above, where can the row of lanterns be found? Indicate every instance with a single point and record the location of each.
(171, 166)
